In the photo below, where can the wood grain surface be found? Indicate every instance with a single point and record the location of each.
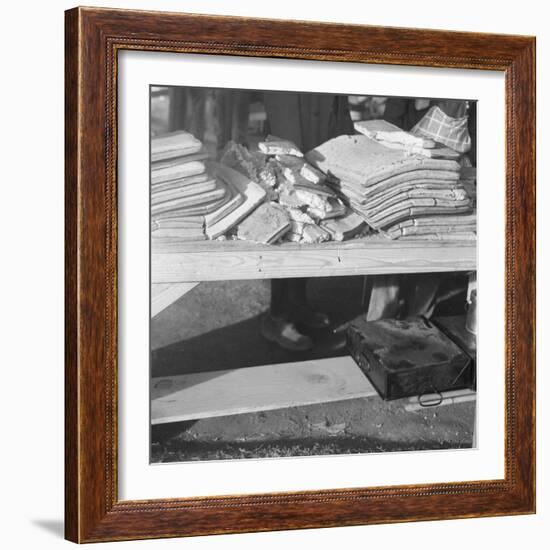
(374, 258)
(165, 294)
(262, 388)
(94, 511)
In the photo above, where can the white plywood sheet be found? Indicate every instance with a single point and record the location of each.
(267, 387)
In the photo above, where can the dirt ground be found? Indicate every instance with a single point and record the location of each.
(218, 320)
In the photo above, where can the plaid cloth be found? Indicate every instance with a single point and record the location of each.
(452, 132)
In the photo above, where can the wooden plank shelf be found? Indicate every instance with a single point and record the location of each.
(178, 261)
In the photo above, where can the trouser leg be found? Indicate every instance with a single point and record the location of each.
(286, 296)
(421, 292)
(384, 298)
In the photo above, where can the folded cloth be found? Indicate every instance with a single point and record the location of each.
(421, 188)
(196, 210)
(452, 132)
(187, 191)
(441, 229)
(181, 182)
(412, 178)
(252, 192)
(416, 197)
(188, 222)
(469, 236)
(174, 144)
(362, 161)
(171, 172)
(395, 214)
(417, 177)
(462, 219)
(195, 200)
(237, 198)
(180, 234)
(415, 203)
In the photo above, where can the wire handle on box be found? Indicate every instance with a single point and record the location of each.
(430, 404)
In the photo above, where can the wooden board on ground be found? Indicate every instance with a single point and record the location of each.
(165, 294)
(252, 389)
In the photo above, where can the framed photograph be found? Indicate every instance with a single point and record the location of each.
(300, 275)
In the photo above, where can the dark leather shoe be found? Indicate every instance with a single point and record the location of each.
(285, 334)
(309, 318)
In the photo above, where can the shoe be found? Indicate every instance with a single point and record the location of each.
(311, 319)
(285, 334)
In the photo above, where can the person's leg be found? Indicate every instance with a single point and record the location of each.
(279, 301)
(277, 325)
(421, 292)
(299, 309)
(241, 114)
(384, 299)
(224, 118)
(196, 113)
(177, 109)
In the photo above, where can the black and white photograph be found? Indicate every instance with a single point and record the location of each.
(313, 274)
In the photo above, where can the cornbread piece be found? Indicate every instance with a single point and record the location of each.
(297, 215)
(277, 146)
(320, 189)
(312, 234)
(291, 200)
(292, 237)
(290, 161)
(320, 207)
(252, 192)
(312, 174)
(337, 209)
(344, 228)
(267, 224)
(239, 158)
(298, 227)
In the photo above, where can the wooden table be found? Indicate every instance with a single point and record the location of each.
(178, 266)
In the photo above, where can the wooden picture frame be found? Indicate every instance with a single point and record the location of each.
(93, 511)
